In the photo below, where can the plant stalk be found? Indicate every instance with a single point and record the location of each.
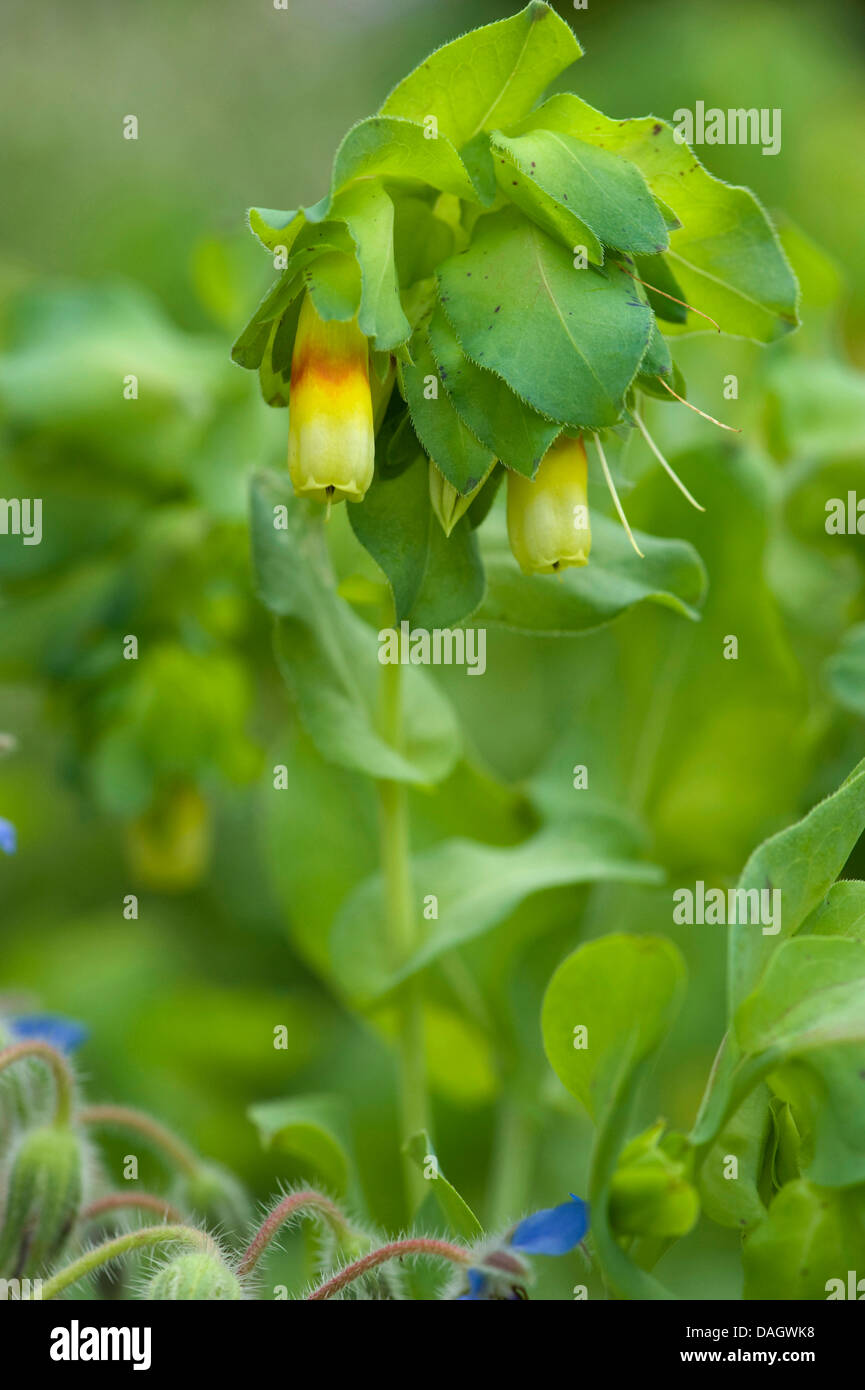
(402, 929)
(121, 1245)
(418, 1245)
(123, 1117)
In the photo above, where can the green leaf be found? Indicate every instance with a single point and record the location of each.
(552, 214)
(334, 285)
(656, 359)
(726, 255)
(737, 1201)
(309, 1129)
(656, 272)
(477, 886)
(845, 671)
(368, 213)
(625, 991)
(328, 656)
(456, 1212)
(250, 347)
(808, 1017)
(842, 912)
(457, 453)
(421, 239)
(611, 194)
(802, 862)
(516, 434)
(489, 77)
(392, 147)
(436, 580)
(810, 1237)
(817, 411)
(275, 228)
(568, 341)
(615, 580)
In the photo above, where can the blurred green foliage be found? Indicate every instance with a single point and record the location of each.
(154, 778)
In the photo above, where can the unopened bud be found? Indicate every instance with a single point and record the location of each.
(652, 1198)
(198, 1275)
(548, 516)
(43, 1197)
(448, 504)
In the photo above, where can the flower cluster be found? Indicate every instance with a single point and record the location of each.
(487, 285)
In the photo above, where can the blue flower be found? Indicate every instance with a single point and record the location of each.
(477, 1284)
(63, 1033)
(8, 836)
(553, 1231)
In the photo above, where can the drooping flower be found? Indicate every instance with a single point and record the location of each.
(552, 1231)
(331, 440)
(548, 516)
(63, 1033)
(8, 836)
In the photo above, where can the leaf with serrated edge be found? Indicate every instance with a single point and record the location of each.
(726, 255)
(489, 77)
(611, 194)
(568, 341)
(517, 435)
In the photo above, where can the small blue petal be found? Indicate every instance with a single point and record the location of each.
(8, 836)
(477, 1284)
(63, 1033)
(554, 1231)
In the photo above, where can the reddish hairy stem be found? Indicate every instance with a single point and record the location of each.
(144, 1201)
(291, 1205)
(125, 1118)
(417, 1245)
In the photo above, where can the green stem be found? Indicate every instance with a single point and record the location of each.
(122, 1245)
(402, 923)
(63, 1082)
(122, 1117)
(513, 1159)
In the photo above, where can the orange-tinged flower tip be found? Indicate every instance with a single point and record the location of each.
(331, 440)
(548, 516)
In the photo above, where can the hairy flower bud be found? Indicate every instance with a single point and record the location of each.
(198, 1275)
(331, 441)
(43, 1196)
(548, 516)
(217, 1196)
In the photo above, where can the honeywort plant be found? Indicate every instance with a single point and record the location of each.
(487, 292)
(777, 1151)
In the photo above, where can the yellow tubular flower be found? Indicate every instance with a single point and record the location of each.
(331, 441)
(548, 516)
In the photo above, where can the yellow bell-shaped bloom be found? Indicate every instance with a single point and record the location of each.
(331, 440)
(548, 516)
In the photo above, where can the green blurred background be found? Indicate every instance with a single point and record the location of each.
(155, 779)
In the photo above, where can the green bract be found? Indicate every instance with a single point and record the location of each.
(520, 263)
